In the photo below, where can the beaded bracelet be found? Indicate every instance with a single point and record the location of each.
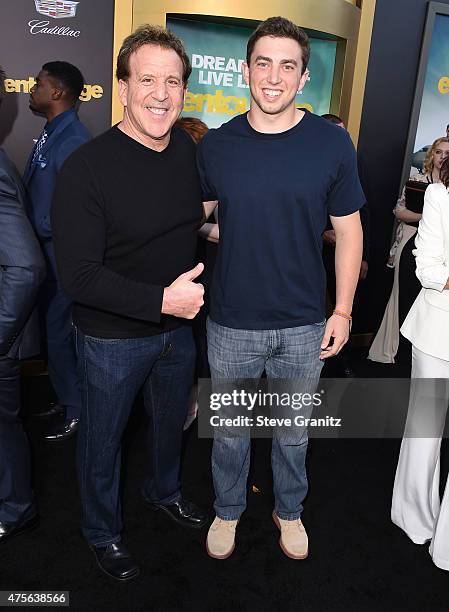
(340, 313)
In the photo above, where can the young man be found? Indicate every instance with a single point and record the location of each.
(277, 172)
(55, 94)
(22, 269)
(126, 212)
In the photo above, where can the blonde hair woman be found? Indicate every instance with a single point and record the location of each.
(416, 504)
(408, 211)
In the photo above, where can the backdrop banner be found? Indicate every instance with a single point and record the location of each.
(217, 90)
(434, 112)
(38, 31)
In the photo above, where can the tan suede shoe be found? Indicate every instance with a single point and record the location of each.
(220, 541)
(293, 540)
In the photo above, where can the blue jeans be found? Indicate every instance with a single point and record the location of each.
(112, 372)
(236, 354)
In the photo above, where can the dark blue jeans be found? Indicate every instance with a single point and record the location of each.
(112, 373)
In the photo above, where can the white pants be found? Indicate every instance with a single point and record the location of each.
(416, 501)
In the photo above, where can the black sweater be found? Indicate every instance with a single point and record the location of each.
(124, 221)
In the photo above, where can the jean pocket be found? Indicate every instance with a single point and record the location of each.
(105, 340)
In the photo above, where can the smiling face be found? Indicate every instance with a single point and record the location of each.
(153, 95)
(274, 76)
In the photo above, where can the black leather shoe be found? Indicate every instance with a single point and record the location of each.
(115, 561)
(9, 530)
(183, 512)
(63, 431)
(52, 410)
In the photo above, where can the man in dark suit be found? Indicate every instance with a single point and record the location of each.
(55, 94)
(22, 268)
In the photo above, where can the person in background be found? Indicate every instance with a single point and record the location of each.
(416, 506)
(55, 95)
(387, 347)
(207, 253)
(22, 269)
(342, 362)
(126, 213)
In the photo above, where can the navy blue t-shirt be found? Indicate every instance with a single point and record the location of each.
(274, 193)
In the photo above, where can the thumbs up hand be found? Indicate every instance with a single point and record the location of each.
(184, 298)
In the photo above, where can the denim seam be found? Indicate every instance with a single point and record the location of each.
(235, 517)
(294, 516)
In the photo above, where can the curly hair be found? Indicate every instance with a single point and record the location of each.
(428, 162)
(148, 34)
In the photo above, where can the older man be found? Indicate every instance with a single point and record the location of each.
(126, 211)
(22, 269)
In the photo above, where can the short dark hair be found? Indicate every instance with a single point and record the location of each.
(2, 85)
(148, 34)
(280, 27)
(68, 75)
(333, 118)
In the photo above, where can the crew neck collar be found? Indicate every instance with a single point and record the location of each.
(277, 135)
(138, 144)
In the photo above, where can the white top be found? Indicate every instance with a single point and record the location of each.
(427, 323)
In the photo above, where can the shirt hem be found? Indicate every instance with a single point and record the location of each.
(266, 325)
(124, 335)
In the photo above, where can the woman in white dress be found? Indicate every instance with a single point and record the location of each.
(405, 287)
(416, 504)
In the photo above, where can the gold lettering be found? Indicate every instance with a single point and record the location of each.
(214, 103)
(443, 85)
(97, 91)
(309, 107)
(25, 85)
(189, 102)
(9, 85)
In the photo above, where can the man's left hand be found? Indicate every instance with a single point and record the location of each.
(337, 328)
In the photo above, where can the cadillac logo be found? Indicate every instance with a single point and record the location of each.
(56, 8)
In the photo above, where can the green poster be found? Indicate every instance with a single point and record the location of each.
(217, 90)
(434, 112)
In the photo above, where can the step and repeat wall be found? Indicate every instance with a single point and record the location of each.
(217, 90)
(34, 32)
